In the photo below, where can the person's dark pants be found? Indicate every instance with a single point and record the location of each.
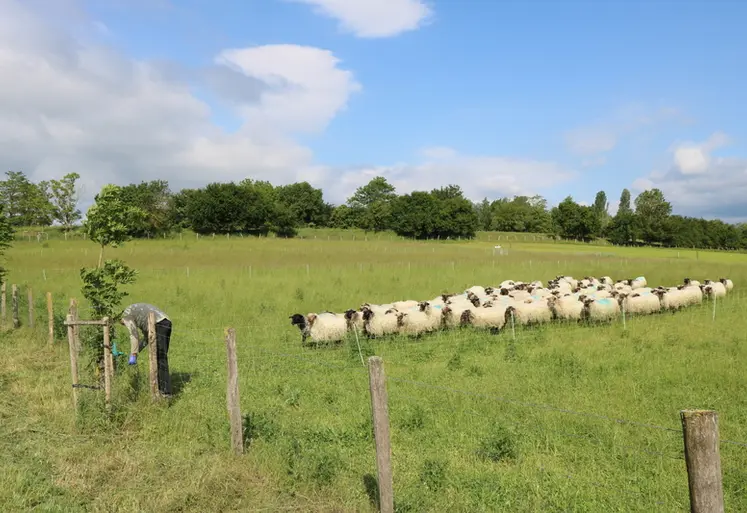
(163, 337)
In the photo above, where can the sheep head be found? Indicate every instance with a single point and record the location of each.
(298, 320)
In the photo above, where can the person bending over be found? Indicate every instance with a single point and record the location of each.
(135, 319)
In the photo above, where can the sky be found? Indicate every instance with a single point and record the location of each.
(501, 97)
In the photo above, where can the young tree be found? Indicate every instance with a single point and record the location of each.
(108, 223)
(624, 207)
(110, 220)
(64, 197)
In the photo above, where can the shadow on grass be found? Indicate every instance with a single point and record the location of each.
(178, 381)
(372, 489)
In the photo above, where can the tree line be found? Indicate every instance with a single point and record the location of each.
(258, 207)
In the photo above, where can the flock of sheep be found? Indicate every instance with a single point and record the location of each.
(512, 303)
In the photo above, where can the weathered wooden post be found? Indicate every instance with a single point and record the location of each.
(380, 412)
(30, 296)
(50, 317)
(16, 319)
(232, 393)
(73, 358)
(73, 310)
(108, 364)
(700, 433)
(2, 306)
(153, 356)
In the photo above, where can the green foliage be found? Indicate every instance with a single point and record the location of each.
(64, 200)
(442, 213)
(574, 221)
(152, 198)
(101, 287)
(433, 474)
(520, 214)
(6, 237)
(653, 212)
(110, 220)
(26, 203)
(376, 191)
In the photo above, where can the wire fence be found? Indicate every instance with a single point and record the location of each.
(261, 357)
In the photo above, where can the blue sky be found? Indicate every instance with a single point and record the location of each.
(500, 97)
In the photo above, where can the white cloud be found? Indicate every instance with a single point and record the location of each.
(701, 184)
(73, 105)
(374, 18)
(694, 158)
(604, 136)
(478, 176)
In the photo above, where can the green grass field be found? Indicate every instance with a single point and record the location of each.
(479, 422)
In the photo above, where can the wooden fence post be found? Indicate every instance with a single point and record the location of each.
(152, 356)
(108, 364)
(50, 316)
(73, 358)
(74, 312)
(2, 306)
(30, 296)
(16, 319)
(700, 433)
(380, 412)
(232, 393)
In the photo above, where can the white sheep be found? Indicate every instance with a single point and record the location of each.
(727, 283)
(566, 308)
(606, 280)
(715, 289)
(672, 299)
(638, 283)
(451, 315)
(324, 327)
(638, 304)
(693, 293)
(492, 316)
(379, 324)
(599, 310)
(355, 320)
(529, 313)
(404, 305)
(421, 320)
(476, 290)
(694, 283)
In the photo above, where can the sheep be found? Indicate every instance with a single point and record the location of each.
(638, 283)
(566, 308)
(422, 320)
(520, 295)
(491, 316)
(452, 316)
(377, 308)
(355, 320)
(688, 281)
(606, 280)
(715, 289)
(476, 290)
(404, 305)
(600, 310)
(529, 313)
(671, 299)
(378, 324)
(727, 283)
(638, 304)
(324, 327)
(536, 284)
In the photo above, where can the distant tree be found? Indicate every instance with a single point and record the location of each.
(64, 198)
(304, 203)
(27, 203)
(6, 237)
(153, 198)
(178, 204)
(378, 189)
(441, 213)
(624, 206)
(601, 209)
(652, 210)
(484, 214)
(521, 214)
(574, 221)
(345, 217)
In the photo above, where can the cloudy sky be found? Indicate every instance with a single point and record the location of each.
(500, 97)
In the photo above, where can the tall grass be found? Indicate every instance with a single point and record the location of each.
(479, 422)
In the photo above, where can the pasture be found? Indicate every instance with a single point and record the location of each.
(558, 418)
